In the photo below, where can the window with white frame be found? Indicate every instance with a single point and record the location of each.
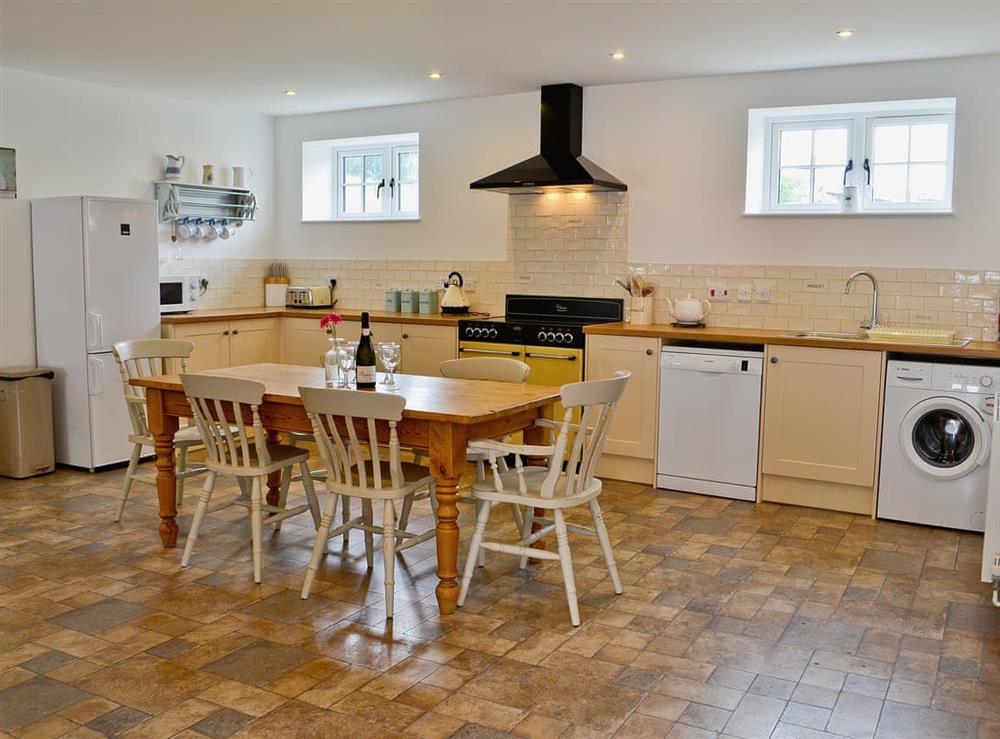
(361, 179)
(893, 157)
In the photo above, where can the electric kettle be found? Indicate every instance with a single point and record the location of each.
(454, 301)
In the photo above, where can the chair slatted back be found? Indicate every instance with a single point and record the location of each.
(147, 358)
(214, 401)
(500, 369)
(335, 416)
(597, 400)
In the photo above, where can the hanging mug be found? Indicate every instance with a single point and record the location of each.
(242, 176)
(172, 168)
(208, 174)
(188, 229)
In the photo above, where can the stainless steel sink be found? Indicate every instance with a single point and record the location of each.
(838, 335)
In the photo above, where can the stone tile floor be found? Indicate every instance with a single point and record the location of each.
(736, 620)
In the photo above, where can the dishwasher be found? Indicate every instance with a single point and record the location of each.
(709, 421)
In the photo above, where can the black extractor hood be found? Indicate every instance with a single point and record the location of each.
(560, 167)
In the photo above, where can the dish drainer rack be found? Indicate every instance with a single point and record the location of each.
(180, 200)
(908, 334)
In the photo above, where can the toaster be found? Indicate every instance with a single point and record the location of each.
(308, 296)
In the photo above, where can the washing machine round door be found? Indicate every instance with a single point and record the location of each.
(945, 438)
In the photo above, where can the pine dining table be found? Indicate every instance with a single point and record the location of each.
(441, 416)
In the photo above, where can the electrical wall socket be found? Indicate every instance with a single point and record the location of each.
(326, 279)
(744, 293)
(762, 294)
(717, 291)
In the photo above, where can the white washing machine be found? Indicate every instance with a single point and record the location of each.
(936, 431)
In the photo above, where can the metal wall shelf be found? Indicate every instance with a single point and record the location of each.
(179, 200)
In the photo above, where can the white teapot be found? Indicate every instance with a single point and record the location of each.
(688, 310)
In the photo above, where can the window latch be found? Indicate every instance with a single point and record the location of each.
(848, 168)
(868, 172)
(380, 188)
(392, 186)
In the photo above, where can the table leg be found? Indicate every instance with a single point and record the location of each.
(163, 428)
(274, 479)
(447, 460)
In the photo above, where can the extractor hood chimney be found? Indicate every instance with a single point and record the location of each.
(561, 166)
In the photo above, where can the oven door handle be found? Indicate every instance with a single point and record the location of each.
(489, 351)
(566, 357)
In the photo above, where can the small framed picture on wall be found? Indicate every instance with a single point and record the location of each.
(8, 173)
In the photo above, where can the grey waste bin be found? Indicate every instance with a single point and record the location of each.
(26, 442)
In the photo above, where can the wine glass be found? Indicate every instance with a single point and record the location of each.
(346, 360)
(389, 352)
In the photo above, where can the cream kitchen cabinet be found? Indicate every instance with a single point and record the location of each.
(424, 348)
(820, 439)
(228, 343)
(631, 444)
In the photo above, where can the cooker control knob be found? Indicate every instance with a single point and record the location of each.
(985, 380)
(569, 337)
(541, 336)
(550, 336)
(468, 330)
(477, 332)
(492, 333)
(561, 338)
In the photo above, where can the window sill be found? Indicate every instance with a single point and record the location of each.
(360, 220)
(850, 214)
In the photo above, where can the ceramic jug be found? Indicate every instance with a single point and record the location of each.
(173, 166)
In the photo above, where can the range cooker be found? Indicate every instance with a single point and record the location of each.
(544, 331)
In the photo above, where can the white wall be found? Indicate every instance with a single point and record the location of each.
(460, 141)
(681, 147)
(81, 139)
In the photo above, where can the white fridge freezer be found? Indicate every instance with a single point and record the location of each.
(95, 265)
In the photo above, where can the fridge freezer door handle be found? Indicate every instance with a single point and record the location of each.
(95, 375)
(95, 331)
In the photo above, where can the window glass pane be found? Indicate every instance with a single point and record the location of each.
(408, 166)
(373, 167)
(408, 201)
(889, 183)
(352, 169)
(796, 148)
(352, 199)
(892, 144)
(830, 146)
(929, 142)
(828, 184)
(793, 186)
(373, 202)
(927, 182)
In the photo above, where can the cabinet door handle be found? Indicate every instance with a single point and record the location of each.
(236, 331)
(226, 332)
(649, 352)
(774, 360)
(406, 336)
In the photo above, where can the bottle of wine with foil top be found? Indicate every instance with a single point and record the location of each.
(365, 364)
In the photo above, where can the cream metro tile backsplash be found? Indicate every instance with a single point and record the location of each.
(569, 246)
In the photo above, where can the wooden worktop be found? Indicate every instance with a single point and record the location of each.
(972, 350)
(349, 314)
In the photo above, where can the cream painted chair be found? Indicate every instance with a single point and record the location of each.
(498, 369)
(567, 482)
(216, 402)
(146, 358)
(356, 469)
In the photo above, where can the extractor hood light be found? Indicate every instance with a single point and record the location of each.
(291, 93)
(618, 55)
(435, 75)
(845, 32)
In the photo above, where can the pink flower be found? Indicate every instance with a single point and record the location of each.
(330, 321)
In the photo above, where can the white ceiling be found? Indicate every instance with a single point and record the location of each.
(341, 55)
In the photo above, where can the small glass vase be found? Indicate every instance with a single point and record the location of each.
(335, 377)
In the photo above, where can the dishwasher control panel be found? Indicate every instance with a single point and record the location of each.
(700, 360)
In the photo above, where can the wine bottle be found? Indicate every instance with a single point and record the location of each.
(365, 364)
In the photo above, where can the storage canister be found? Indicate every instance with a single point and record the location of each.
(428, 301)
(409, 301)
(392, 300)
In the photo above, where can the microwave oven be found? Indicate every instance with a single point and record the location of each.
(181, 293)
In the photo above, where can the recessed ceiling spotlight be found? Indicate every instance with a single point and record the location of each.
(435, 75)
(291, 93)
(845, 32)
(617, 55)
